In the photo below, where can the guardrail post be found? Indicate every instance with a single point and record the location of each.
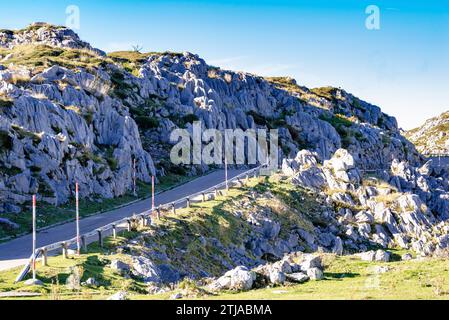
(247, 178)
(158, 212)
(65, 253)
(114, 231)
(215, 193)
(44, 257)
(84, 243)
(100, 238)
(204, 197)
(142, 221)
(128, 225)
(173, 208)
(188, 202)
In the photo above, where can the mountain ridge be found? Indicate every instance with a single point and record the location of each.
(70, 112)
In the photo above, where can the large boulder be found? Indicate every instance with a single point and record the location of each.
(239, 278)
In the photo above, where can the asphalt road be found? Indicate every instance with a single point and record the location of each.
(16, 252)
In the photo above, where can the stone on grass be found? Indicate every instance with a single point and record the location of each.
(315, 274)
(121, 295)
(120, 266)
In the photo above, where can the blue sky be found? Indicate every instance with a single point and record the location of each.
(403, 67)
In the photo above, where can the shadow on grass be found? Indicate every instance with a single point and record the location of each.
(340, 275)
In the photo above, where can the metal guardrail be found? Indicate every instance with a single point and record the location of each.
(63, 245)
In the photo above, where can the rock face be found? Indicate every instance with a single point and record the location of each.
(405, 206)
(87, 122)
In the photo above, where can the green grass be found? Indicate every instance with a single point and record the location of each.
(42, 56)
(93, 263)
(48, 215)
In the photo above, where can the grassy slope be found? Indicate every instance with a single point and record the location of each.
(345, 277)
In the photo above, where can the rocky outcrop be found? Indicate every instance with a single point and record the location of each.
(42, 33)
(89, 119)
(433, 136)
(404, 206)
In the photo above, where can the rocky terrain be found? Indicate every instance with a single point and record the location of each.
(70, 112)
(433, 136)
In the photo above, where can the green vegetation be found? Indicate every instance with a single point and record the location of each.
(329, 93)
(343, 126)
(181, 122)
(5, 141)
(145, 122)
(48, 214)
(346, 277)
(133, 60)
(5, 102)
(24, 134)
(121, 88)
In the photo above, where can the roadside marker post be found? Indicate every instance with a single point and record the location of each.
(134, 178)
(34, 237)
(78, 243)
(152, 193)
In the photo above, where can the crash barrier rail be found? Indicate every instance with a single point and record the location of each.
(126, 223)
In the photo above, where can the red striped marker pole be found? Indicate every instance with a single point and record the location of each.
(134, 177)
(78, 243)
(152, 193)
(226, 172)
(34, 237)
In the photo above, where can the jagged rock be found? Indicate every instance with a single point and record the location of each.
(8, 223)
(342, 160)
(381, 255)
(368, 255)
(176, 296)
(119, 266)
(239, 278)
(364, 217)
(91, 282)
(310, 261)
(338, 246)
(121, 295)
(146, 269)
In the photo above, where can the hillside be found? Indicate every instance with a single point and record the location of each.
(433, 136)
(274, 236)
(71, 112)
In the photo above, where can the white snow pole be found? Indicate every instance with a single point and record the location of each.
(34, 237)
(78, 244)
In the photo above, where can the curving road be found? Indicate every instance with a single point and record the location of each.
(16, 252)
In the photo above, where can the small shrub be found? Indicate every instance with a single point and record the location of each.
(5, 141)
(145, 122)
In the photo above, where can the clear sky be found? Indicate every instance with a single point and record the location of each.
(403, 67)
